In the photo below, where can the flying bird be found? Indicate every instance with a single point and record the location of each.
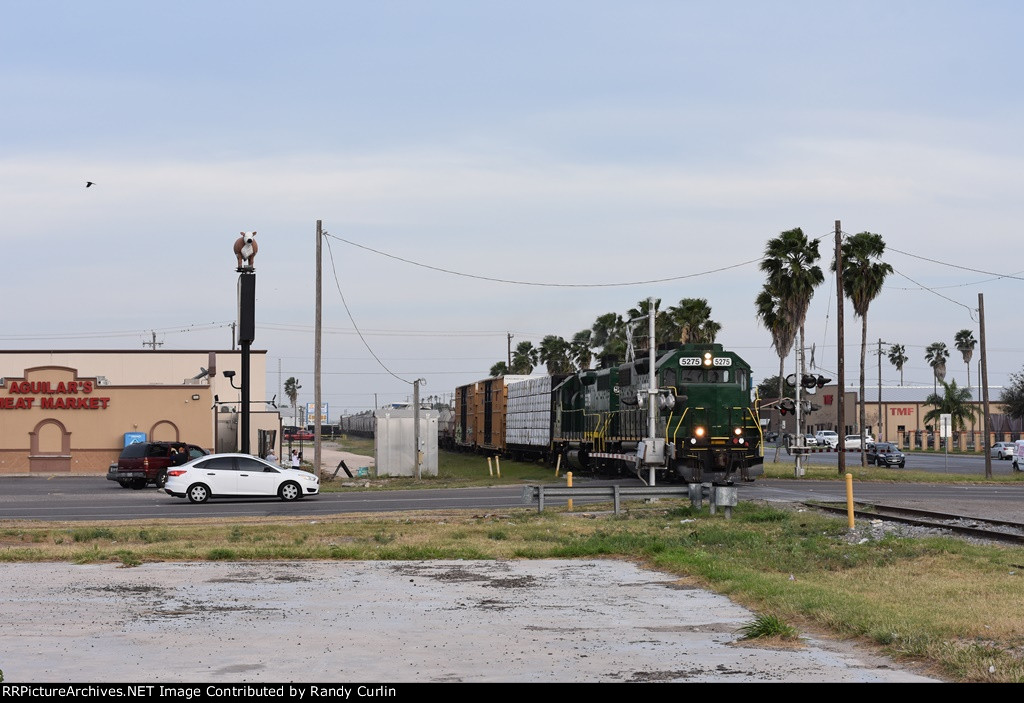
(89, 183)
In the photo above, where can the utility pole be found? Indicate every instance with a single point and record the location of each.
(984, 384)
(882, 427)
(154, 344)
(317, 404)
(841, 356)
(652, 387)
(798, 465)
(509, 334)
(233, 335)
(416, 426)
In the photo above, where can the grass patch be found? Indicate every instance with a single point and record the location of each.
(88, 534)
(454, 469)
(768, 627)
(955, 605)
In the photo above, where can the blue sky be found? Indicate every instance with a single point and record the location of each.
(559, 142)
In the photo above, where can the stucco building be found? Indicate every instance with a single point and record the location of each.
(893, 414)
(74, 410)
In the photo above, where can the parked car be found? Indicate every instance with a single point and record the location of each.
(885, 454)
(810, 441)
(1001, 451)
(296, 435)
(828, 438)
(238, 475)
(1018, 452)
(853, 440)
(147, 462)
(771, 437)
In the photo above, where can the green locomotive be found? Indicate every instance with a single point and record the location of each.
(706, 427)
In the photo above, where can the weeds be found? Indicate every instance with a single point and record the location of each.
(91, 533)
(768, 626)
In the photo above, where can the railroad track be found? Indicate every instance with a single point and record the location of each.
(984, 528)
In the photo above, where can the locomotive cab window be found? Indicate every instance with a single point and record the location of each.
(668, 378)
(692, 375)
(742, 378)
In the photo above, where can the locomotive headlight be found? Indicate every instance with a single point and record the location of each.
(738, 431)
(699, 432)
(707, 358)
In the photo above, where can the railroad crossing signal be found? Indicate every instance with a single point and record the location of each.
(810, 382)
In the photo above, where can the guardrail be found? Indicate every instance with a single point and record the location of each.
(717, 496)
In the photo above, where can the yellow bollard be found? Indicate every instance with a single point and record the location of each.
(497, 463)
(849, 500)
(558, 465)
(568, 478)
(490, 470)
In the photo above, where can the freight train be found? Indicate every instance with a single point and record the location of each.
(364, 424)
(598, 421)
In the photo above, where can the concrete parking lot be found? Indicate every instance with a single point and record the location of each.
(423, 621)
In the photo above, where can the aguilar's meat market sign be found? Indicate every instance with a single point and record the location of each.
(52, 395)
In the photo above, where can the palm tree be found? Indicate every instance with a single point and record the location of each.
(663, 331)
(863, 276)
(692, 317)
(554, 353)
(965, 344)
(953, 401)
(524, 358)
(499, 369)
(771, 315)
(291, 391)
(579, 348)
(898, 357)
(609, 335)
(792, 275)
(936, 354)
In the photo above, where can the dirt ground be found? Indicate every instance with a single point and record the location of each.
(430, 621)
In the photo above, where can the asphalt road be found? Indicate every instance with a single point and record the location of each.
(920, 461)
(95, 498)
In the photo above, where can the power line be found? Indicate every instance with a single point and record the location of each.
(289, 327)
(970, 310)
(337, 283)
(117, 333)
(538, 283)
(1014, 276)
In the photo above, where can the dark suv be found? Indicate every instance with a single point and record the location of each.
(146, 462)
(885, 454)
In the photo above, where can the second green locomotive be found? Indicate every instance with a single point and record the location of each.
(706, 428)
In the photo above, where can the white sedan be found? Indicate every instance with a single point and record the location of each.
(852, 441)
(1001, 450)
(238, 476)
